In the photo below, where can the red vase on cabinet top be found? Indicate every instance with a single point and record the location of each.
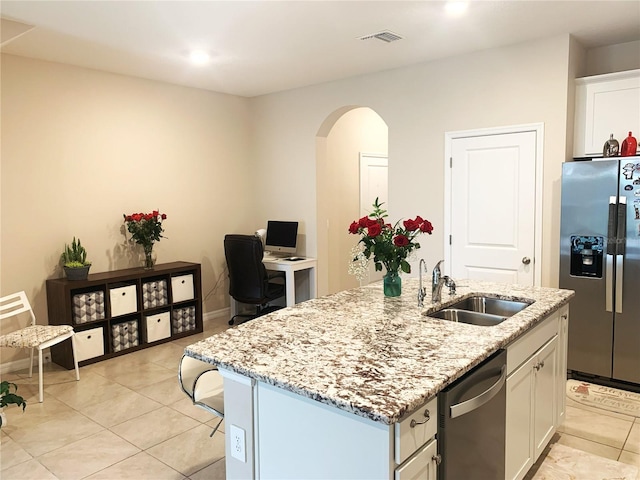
(629, 146)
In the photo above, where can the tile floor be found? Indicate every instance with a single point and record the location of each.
(127, 418)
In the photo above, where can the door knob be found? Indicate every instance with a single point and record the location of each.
(526, 260)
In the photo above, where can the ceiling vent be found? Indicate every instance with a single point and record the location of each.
(385, 36)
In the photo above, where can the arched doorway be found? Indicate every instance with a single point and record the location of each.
(343, 137)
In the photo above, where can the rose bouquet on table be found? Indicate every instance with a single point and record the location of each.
(145, 229)
(388, 245)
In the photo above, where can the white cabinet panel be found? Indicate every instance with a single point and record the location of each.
(422, 466)
(415, 430)
(544, 416)
(606, 104)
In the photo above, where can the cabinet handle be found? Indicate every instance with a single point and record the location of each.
(539, 365)
(427, 418)
(437, 459)
(124, 293)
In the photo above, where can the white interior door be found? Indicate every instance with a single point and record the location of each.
(494, 205)
(373, 184)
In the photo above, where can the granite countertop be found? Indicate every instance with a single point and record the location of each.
(377, 357)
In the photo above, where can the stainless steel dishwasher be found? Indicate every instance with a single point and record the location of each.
(471, 423)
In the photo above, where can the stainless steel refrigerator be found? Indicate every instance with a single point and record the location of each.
(600, 260)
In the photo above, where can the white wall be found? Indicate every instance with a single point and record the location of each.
(519, 84)
(81, 147)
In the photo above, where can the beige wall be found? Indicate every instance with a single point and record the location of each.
(82, 147)
(358, 131)
(519, 84)
(612, 58)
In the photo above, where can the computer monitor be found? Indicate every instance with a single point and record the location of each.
(281, 237)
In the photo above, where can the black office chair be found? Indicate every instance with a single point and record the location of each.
(249, 281)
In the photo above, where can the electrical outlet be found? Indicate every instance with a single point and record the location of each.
(238, 443)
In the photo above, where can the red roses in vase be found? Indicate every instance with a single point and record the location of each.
(389, 244)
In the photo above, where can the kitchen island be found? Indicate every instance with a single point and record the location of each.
(326, 388)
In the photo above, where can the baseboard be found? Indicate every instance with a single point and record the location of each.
(22, 364)
(209, 320)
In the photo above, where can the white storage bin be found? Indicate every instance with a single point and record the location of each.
(182, 288)
(158, 326)
(123, 300)
(88, 307)
(90, 343)
(124, 335)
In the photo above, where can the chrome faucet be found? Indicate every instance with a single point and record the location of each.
(422, 291)
(438, 281)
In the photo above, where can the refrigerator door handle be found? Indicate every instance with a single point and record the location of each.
(609, 283)
(619, 278)
(621, 250)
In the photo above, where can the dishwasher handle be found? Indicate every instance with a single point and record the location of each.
(467, 406)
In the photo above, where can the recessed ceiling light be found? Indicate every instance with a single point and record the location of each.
(199, 57)
(456, 8)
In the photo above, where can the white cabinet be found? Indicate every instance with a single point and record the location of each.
(605, 104)
(563, 341)
(296, 437)
(422, 466)
(532, 396)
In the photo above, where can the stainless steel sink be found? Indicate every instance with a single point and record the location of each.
(480, 310)
(466, 316)
(493, 306)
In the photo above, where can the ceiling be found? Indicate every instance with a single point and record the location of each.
(260, 47)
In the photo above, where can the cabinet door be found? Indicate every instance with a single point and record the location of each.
(563, 336)
(545, 371)
(605, 104)
(519, 431)
(422, 466)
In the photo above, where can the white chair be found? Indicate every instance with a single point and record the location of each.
(34, 336)
(203, 385)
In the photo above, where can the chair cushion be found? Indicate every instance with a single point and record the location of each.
(33, 335)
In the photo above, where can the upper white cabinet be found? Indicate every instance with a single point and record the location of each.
(605, 104)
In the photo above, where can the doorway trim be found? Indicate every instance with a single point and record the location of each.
(538, 128)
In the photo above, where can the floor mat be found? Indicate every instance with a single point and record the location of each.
(566, 463)
(607, 398)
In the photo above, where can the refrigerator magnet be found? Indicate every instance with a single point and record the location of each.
(627, 170)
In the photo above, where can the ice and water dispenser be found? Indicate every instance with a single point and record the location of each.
(586, 256)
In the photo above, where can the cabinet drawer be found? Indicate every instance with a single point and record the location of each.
(124, 335)
(527, 344)
(409, 438)
(422, 466)
(123, 300)
(157, 326)
(184, 319)
(182, 288)
(155, 294)
(88, 307)
(89, 343)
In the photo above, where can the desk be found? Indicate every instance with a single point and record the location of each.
(289, 268)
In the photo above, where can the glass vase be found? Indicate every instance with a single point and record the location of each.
(149, 259)
(392, 284)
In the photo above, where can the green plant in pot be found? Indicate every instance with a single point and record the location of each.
(8, 398)
(74, 261)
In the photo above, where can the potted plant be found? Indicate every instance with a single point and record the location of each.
(8, 398)
(74, 261)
